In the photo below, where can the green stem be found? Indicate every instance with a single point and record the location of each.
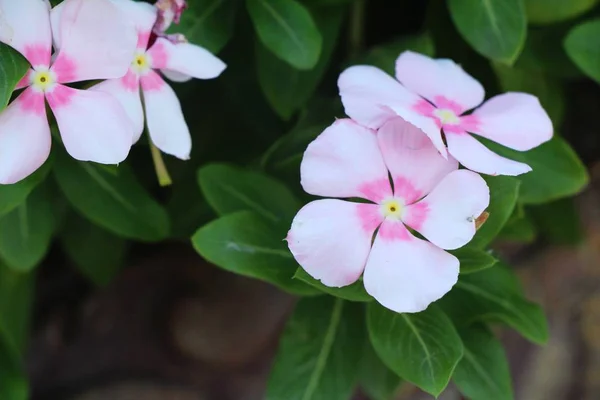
(164, 179)
(356, 35)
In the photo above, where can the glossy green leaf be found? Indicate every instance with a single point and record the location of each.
(287, 89)
(493, 295)
(583, 46)
(375, 379)
(559, 221)
(117, 203)
(208, 23)
(287, 28)
(519, 229)
(26, 232)
(422, 348)
(13, 67)
(319, 352)
(483, 372)
(247, 244)
(13, 195)
(353, 292)
(557, 171)
(473, 260)
(552, 11)
(504, 191)
(496, 29)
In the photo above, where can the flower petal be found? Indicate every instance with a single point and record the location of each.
(345, 161)
(185, 58)
(331, 239)
(515, 120)
(406, 274)
(6, 31)
(446, 217)
(476, 157)
(166, 124)
(142, 15)
(24, 137)
(127, 91)
(413, 161)
(175, 76)
(438, 78)
(96, 41)
(30, 23)
(93, 125)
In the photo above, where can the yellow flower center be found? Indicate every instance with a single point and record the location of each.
(392, 208)
(447, 116)
(42, 80)
(140, 63)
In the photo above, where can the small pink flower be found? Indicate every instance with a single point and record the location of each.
(435, 94)
(169, 11)
(331, 239)
(96, 44)
(179, 62)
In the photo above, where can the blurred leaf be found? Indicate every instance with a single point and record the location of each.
(473, 260)
(519, 229)
(26, 232)
(188, 208)
(13, 382)
(97, 253)
(583, 46)
(13, 195)
(13, 67)
(319, 352)
(493, 295)
(117, 203)
(247, 244)
(287, 29)
(504, 191)
(376, 380)
(551, 11)
(287, 88)
(483, 372)
(353, 292)
(422, 348)
(557, 170)
(208, 23)
(558, 221)
(496, 29)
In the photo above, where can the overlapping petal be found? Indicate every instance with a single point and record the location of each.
(6, 31)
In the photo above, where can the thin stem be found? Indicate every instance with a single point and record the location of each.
(356, 35)
(164, 179)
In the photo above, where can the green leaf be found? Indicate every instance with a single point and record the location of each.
(13, 67)
(559, 221)
(422, 348)
(117, 203)
(287, 88)
(496, 29)
(13, 383)
(229, 189)
(583, 46)
(557, 171)
(353, 292)
(247, 244)
(13, 195)
(551, 11)
(97, 253)
(504, 191)
(375, 379)
(319, 352)
(287, 28)
(519, 229)
(483, 372)
(493, 295)
(26, 232)
(208, 23)
(473, 260)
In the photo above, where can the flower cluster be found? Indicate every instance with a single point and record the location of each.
(108, 40)
(400, 154)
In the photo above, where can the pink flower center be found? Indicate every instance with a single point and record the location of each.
(447, 115)
(42, 79)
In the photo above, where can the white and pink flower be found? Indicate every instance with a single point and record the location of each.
(177, 61)
(96, 44)
(333, 239)
(434, 95)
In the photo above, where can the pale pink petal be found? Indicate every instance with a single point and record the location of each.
(93, 125)
(30, 26)
(406, 274)
(476, 157)
(164, 118)
(97, 42)
(24, 137)
(142, 15)
(446, 217)
(415, 164)
(127, 91)
(185, 58)
(438, 80)
(345, 161)
(331, 239)
(515, 120)
(6, 31)
(175, 76)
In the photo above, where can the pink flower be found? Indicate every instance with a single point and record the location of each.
(96, 44)
(169, 11)
(331, 239)
(164, 118)
(434, 94)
